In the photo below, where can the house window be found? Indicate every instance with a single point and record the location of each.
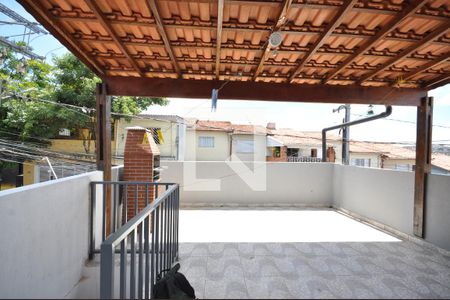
(403, 167)
(361, 162)
(245, 146)
(206, 142)
(293, 152)
(314, 152)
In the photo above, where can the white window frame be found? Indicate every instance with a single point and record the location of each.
(206, 142)
(245, 146)
(361, 162)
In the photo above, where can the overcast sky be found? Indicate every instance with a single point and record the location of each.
(300, 116)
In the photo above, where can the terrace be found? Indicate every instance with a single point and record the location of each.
(253, 229)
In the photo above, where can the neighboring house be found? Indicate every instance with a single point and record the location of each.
(394, 157)
(363, 154)
(221, 140)
(440, 164)
(208, 140)
(169, 133)
(292, 145)
(249, 142)
(381, 155)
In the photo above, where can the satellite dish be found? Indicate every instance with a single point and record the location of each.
(275, 39)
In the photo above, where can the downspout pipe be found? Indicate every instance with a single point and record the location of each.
(384, 114)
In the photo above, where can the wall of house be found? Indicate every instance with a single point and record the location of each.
(45, 237)
(259, 153)
(259, 183)
(169, 131)
(375, 160)
(220, 152)
(392, 163)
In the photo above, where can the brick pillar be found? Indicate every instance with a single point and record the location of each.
(331, 154)
(140, 149)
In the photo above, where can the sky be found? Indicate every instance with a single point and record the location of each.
(399, 127)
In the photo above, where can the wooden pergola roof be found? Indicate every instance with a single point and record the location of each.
(163, 44)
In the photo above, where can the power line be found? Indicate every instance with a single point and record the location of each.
(405, 121)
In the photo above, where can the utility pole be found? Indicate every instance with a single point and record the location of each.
(345, 134)
(346, 137)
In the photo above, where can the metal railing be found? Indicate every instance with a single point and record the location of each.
(119, 200)
(303, 159)
(147, 243)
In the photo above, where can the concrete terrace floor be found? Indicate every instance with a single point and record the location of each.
(303, 254)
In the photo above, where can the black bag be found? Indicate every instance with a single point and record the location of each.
(173, 285)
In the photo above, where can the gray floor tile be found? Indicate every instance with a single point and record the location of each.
(225, 267)
(194, 266)
(316, 270)
(234, 288)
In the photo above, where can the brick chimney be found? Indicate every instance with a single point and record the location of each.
(271, 126)
(141, 152)
(331, 154)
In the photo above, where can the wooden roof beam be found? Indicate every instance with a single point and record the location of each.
(162, 32)
(427, 66)
(436, 33)
(220, 5)
(335, 22)
(93, 5)
(282, 17)
(408, 11)
(57, 29)
(437, 82)
(261, 91)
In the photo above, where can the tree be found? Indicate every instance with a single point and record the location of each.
(44, 99)
(75, 85)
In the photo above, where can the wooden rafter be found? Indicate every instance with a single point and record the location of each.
(282, 17)
(93, 5)
(162, 32)
(436, 33)
(335, 22)
(427, 66)
(443, 79)
(58, 30)
(407, 12)
(220, 5)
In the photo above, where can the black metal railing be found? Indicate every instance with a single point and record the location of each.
(147, 244)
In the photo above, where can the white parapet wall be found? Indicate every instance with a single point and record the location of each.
(437, 211)
(44, 237)
(251, 184)
(385, 196)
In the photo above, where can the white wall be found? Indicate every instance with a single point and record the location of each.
(303, 184)
(259, 151)
(385, 196)
(437, 211)
(44, 237)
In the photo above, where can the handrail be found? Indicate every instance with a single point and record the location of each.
(123, 231)
(148, 243)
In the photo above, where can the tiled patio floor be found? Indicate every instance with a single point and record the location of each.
(341, 268)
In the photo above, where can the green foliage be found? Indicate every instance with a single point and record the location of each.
(32, 86)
